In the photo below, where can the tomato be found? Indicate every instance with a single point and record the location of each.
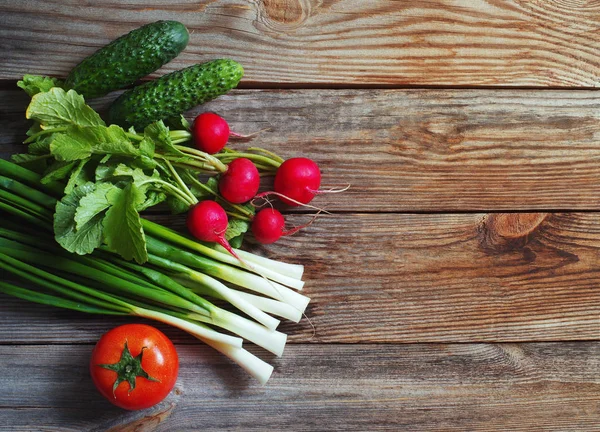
(134, 366)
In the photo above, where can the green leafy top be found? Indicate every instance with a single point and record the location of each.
(34, 84)
(78, 142)
(57, 107)
(158, 134)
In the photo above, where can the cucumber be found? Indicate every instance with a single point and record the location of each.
(175, 93)
(128, 58)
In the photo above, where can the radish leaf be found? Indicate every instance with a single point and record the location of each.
(123, 231)
(56, 108)
(34, 84)
(158, 133)
(92, 204)
(89, 236)
(81, 142)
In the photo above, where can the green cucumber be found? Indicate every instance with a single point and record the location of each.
(128, 58)
(175, 93)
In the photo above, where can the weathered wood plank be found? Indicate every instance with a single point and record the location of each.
(417, 150)
(475, 387)
(413, 278)
(339, 42)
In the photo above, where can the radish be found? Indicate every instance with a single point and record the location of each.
(211, 132)
(297, 179)
(240, 182)
(268, 226)
(207, 221)
(297, 182)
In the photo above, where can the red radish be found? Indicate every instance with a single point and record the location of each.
(240, 182)
(268, 226)
(210, 132)
(207, 221)
(297, 179)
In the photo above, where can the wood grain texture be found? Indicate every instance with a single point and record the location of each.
(329, 42)
(413, 281)
(412, 278)
(416, 150)
(475, 387)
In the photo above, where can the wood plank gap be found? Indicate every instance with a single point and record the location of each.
(342, 343)
(258, 85)
(8, 84)
(448, 212)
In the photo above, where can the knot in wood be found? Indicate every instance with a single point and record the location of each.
(503, 232)
(284, 15)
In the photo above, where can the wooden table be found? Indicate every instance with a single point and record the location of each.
(455, 286)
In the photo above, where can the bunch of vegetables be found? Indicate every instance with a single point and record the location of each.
(112, 174)
(84, 182)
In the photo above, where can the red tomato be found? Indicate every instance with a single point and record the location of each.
(122, 378)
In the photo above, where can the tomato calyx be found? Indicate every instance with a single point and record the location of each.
(128, 368)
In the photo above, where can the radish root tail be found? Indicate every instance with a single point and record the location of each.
(331, 190)
(248, 136)
(266, 194)
(298, 228)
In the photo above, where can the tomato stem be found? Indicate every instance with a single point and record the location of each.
(128, 368)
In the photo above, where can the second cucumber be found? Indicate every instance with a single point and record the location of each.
(128, 58)
(175, 93)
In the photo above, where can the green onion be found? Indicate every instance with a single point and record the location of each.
(173, 287)
(279, 272)
(227, 273)
(217, 287)
(30, 178)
